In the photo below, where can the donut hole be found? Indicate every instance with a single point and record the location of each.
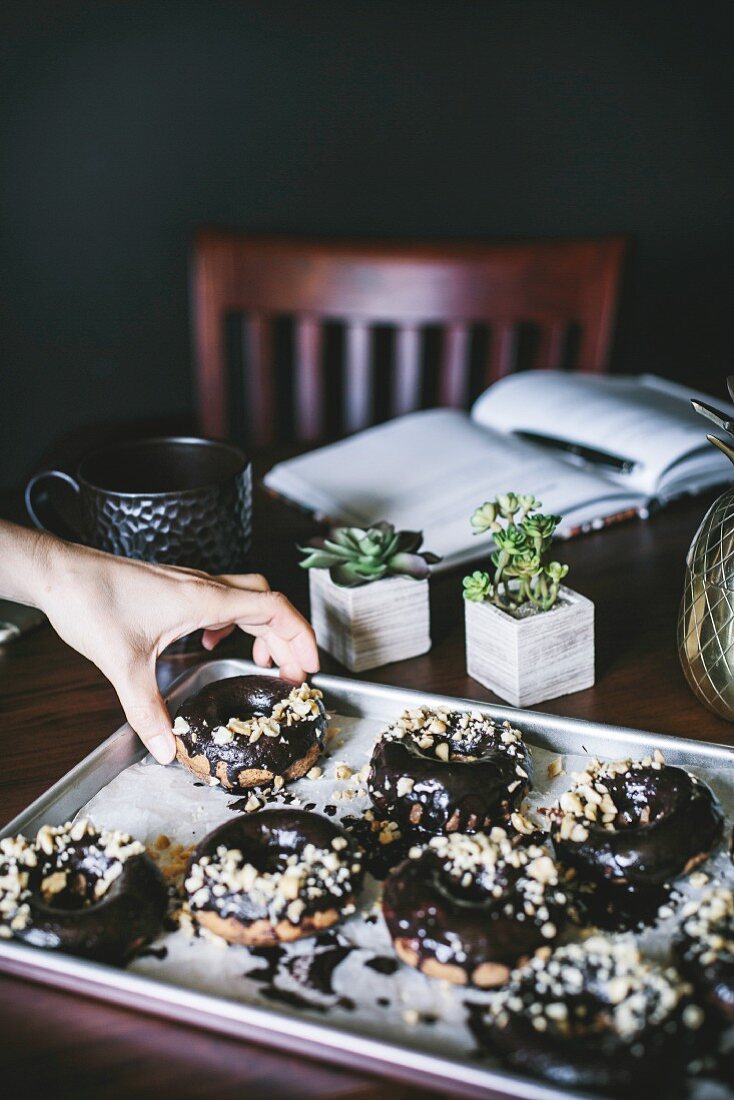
(642, 798)
(80, 882)
(270, 857)
(454, 747)
(471, 888)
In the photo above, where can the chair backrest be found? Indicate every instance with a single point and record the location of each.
(317, 321)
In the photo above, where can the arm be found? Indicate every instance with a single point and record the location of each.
(121, 614)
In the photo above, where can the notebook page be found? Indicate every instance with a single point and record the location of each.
(429, 470)
(644, 420)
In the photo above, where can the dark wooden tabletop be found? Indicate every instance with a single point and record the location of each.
(55, 707)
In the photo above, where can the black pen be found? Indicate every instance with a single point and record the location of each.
(587, 454)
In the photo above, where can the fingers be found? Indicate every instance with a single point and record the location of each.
(214, 635)
(146, 712)
(282, 633)
(289, 637)
(261, 654)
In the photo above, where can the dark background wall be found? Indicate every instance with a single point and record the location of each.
(125, 125)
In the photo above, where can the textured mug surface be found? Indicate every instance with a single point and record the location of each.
(706, 619)
(175, 501)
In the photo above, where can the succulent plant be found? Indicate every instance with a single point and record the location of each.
(357, 555)
(522, 573)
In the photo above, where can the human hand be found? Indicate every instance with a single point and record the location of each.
(122, 614)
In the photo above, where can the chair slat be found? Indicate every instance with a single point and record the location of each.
(358, 404)
(406, 381)
(258, 380)
(308, 388)
(455, 366)
(410, 287)
(501, 350)
(551, 346)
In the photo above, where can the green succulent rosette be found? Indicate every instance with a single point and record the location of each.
(356, 555)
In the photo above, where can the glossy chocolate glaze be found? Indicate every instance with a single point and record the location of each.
(601, 1061)
(245, 697)
(618, 908)
(383, 964)
(704, 954)
(453, 925)
(379, 858)
(266, 839)
(714, 981)
(685, 822)
(583, 1049)
(129, 914)
(312, 972)
(459, 795)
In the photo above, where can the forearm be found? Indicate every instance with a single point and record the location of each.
(26, 563)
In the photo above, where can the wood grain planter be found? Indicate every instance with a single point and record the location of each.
(372, 625)
(535, 656)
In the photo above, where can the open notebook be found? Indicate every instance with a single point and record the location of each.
(634, 443)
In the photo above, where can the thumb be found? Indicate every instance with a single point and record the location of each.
(146, 712)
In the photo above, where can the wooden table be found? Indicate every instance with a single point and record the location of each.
(56, 707)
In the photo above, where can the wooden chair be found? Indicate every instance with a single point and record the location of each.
(364, 321)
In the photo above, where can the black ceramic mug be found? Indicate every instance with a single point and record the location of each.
(176, 501)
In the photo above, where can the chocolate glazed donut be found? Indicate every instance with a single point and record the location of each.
(596, 1016)
(442, 771)
(467, 909)
(246, 731)
(92, 894)
(636, 825)
(274, 877)
(704, 950)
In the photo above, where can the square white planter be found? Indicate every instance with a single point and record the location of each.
(372, 625)
(535, 657)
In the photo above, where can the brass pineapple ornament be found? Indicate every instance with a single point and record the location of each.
(706, 618)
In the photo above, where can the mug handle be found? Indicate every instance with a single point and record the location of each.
(63, 525)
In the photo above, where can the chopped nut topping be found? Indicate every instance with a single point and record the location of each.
(523, 878)
(54, 853)
(556, 768)
(589, 801)
(302, 704)
(300, 883)
(521, 824)
(452, 735)
(708, 926)
(557, 988)
(222, 735)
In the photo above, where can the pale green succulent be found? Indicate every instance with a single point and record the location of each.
(357, 555)
(521, 574)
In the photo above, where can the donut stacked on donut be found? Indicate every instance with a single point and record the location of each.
(468, 908)
(250, 731)
(704, 950)
(92, 893)
(635, 824)
(595, 1015)
(274, 877)
(442, 771)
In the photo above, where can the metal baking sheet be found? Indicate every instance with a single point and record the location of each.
(294, 1029)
